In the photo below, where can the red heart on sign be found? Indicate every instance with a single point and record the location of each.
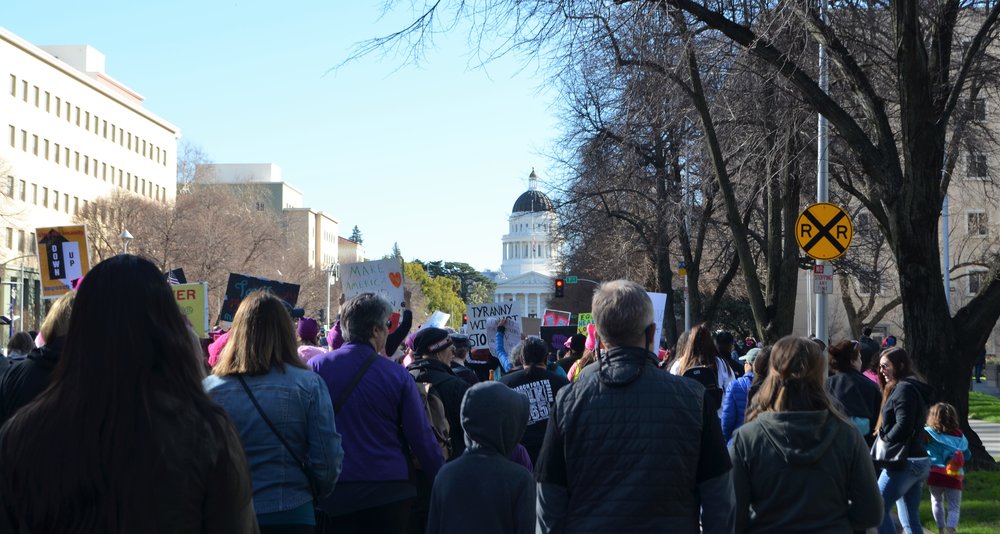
(396, 278)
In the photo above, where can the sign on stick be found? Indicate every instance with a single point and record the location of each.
(63, 258)
(824, 231)
(482, 325)
(192, 299)
(382, 277)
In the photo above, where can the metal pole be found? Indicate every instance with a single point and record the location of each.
(946, 254)
(687, 305)
(822, 176)
(329, 278)
(24, 296)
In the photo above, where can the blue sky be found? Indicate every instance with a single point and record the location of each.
(430, 155)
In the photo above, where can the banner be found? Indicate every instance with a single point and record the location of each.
(556, 318)
(555, 336)
(582, 320)
(438, 319)
(62, 257)
(193, 302)
(531, 326)
(382, 277)
(482, 325)
(659, 308)
(241, 285)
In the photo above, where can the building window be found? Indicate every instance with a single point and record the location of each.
(20, 240)
(13, 85)
(22, 190)
(66, 202)
(76, 205)
(977, 279)
(86, 121)
(45, 197)
(86, 165)
(38, 97)
(58, 107)
(13, 136)
(8, 186)
(130, 141)
(78, 115)
(24, 90)
(24, 140)
(46, 150)
(66, 154)
(164, 158)
(48, 102)
(34, 144)
(977, 166)
(55, 200)
(104, 128)
(68, 110)
(104, 171)
(119, 177)
(977, 224)
(10, 238)
(113, 136)
(34, 194)
(77, 159)
(143, 148)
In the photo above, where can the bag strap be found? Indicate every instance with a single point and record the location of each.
(342, 400)
(270, 425)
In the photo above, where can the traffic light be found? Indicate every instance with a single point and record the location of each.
(465, 318)
(560, 285)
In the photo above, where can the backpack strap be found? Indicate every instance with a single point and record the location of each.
(342, 400)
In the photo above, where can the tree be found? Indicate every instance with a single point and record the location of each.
(396, 253)
(473, 287)
(356, 235)
(440, 292)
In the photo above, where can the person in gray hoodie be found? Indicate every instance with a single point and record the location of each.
(798, 465)
(483, 491)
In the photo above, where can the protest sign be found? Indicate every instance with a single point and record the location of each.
(482, 325)
(382, 277)
(192, 299)
(530, 326)
(176, 276)
(659, 308)
(438, 319)
(63, 258)
(556, 318)
(555, 336)
(241, 285)
(582, 320)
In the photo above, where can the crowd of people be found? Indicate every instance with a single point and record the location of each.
(116, 419)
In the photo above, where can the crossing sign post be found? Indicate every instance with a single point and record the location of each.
(824, 231)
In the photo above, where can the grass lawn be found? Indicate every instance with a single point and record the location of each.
(984, 407)
(980, 505)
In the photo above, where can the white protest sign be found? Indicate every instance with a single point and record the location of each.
(482, 326)
(438, 319)
(659, 306)
(382, 277)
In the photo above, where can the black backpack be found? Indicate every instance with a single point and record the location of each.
(709, 378)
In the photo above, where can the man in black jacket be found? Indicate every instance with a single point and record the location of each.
(638, 449)
(434, 351)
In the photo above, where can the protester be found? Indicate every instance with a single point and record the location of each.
(483, 491)
(904, 410)
(629, 448)
(308, 334)
(734, 401)
(869, 349)
(20, 384)
(761, 366)
(433, 349)
(725, 348)
(979, 364)
(125, 439)
(797, 464)
(949, 452)
(20, 345)
(483, 363)
(283, 413)
(577, 344)
(396, 337)
(539, 386)
(700, 352)
(856, 396)
(380, 416)
(462, 345)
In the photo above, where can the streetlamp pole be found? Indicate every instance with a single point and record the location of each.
(331, 272)
(126, 238)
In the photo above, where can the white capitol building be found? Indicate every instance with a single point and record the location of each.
(529, 253)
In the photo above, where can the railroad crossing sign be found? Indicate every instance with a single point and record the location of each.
(824, 231)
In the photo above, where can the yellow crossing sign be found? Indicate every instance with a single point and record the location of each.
(824, 231)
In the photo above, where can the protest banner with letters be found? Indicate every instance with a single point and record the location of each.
(241, 285)
(659, 308)
(556, 318)
(192, 299)
(382, 277)
(482, 325)
(582, 320)
(63, 258)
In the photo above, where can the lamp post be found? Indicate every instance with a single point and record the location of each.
(332, 272)
(16, 300)
(126, 239)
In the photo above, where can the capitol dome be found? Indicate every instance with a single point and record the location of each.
(532, 202)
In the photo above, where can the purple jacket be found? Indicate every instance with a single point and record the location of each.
(369, 420)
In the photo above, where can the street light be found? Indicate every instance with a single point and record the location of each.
(126, 239)
(333, 271)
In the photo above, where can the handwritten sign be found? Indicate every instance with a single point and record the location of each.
(438, 319)
(192, 299)
(556, 318)
(63, 258)
(241, 285)
(659, 308)
(582, 320)
(382, 277)
(482, 326)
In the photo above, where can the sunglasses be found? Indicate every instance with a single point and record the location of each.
(883, 366)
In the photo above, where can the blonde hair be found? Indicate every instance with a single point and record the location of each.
(261, 338)
(56, 322)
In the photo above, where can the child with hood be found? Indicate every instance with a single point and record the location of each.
(494, 418)
(949, 451)
(308, 333)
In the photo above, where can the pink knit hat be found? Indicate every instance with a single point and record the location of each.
(215, 348)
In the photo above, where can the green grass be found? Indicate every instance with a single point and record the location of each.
(980, 505)
(984, 407)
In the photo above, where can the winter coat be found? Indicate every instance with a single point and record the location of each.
(540, 387)
(734, 405)
(308, 352)
(857, 396)
(483, 491)
(803, 472)
(943, 450)
(904, 414)
(450, 389)
(24, 381)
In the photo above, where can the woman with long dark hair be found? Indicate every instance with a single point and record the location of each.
(857, 396)
(796, 462)
(700, 351)
(125, 439)
(900, 424)
(283, 413)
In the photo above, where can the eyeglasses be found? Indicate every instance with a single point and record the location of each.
(884, 365)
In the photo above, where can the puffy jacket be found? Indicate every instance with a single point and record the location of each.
(25, 380)
(856, 395)
(734, 405)
(904, 414)
(943, 450)
(450, 389)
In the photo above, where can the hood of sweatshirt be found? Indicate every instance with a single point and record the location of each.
(802, 437)
(959, 443)
(494, 418)
(621, 366)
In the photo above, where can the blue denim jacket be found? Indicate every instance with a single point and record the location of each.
(298, 404)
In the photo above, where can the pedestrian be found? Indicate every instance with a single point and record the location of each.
(483, 491)
(20, 345)
(980, 364)
(700, 356)
(462, 346)
(725, 348)
(629, 448)
(904, 410)
(380, 417)
(949, 452)
(761, 366)
(797, 464)
(307, 331)
(283, 413)
(20, 384)
(539, 386)
(855, 395)
(734, 401)
(125, 439)
(433, 350)
(577, 344)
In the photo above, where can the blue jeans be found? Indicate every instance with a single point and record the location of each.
(903, 487)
